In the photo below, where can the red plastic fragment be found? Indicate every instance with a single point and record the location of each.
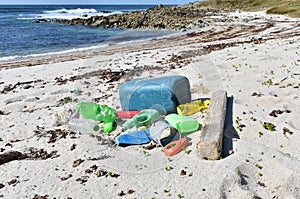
(127, 114)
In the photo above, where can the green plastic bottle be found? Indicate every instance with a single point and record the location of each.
(184, 124)
(144, 118)
(88, 110)
(98, 112)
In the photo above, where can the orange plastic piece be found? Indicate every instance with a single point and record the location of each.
(175, 147)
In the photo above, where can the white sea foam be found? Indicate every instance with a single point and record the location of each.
(26, 17)
(74, 13)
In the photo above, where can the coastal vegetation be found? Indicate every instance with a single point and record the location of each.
(285, 7)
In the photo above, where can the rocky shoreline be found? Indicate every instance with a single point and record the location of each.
(188, 16)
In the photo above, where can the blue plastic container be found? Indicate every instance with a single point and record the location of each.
(163, 94)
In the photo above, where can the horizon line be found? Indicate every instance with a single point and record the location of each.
(80, 4)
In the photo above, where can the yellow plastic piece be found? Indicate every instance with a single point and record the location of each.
(205, 105)
(142, 128)
(192, 107)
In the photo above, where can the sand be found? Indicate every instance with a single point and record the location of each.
(255, 59)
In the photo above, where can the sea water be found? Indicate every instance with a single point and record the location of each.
(21, 36)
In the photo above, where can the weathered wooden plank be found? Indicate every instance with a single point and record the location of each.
(210, 143)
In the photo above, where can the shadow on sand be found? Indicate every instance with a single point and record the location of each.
(229, 131)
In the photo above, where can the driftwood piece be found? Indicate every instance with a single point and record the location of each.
(9, 156)
(210, 145)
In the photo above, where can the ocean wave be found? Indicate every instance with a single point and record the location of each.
(26, 18)
(72, 11)
(75, 13)
(74, 50)
(68, 13)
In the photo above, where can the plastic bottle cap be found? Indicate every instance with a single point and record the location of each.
(96, 127)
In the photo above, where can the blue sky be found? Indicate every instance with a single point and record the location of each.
(95, 2)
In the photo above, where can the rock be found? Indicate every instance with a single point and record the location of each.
(41, 20)
(160, 17)
(160, 6)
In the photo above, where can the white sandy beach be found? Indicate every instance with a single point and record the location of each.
(256, 59)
